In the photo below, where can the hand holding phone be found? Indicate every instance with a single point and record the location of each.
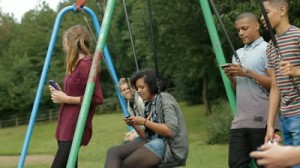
(127, 118)
(53, 84)
(224, 65)
(274, 141)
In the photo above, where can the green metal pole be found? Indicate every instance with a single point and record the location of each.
(220, 56)
(218, 52)
(89, 90)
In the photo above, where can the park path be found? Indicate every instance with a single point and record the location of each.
(11, 161)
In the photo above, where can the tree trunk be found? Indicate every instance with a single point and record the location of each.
(205, 98)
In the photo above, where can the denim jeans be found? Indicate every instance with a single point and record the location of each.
(291, 131)
(157, 146)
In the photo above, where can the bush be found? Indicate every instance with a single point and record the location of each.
(109, 105)
(220, 121)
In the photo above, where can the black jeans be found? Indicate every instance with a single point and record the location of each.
(242, 142)
(62, 155)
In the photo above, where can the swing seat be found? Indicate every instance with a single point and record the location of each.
(171, 164)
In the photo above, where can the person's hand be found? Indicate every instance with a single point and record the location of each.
(277, 138)
(288, 69)
(227, 72)
(136, 120)
(51, 89)
(129, 136)
(272, 156)
(233, 70)
(269, 135)
(128, 121)
(58, 96)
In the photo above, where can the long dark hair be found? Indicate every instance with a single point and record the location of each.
(149, 79)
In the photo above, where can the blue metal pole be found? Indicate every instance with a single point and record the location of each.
(41, 85)
(45, 72)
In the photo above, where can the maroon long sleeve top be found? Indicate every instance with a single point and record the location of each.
(74, 85)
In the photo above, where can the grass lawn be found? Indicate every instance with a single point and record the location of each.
(108, 131)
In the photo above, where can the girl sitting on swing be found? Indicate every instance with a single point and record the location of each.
(164, 138)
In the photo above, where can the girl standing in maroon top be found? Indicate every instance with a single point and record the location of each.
(78, 62)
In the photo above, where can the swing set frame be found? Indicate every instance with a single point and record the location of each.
(101, 52)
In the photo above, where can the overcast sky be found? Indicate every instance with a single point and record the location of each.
(19, 7)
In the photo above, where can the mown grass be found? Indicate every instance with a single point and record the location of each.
(108, 131)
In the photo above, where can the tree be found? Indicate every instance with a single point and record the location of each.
(185, 55)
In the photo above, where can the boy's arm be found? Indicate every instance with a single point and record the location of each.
(274, 100)
(264, 81)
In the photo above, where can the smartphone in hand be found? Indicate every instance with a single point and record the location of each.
(128, 116)
(53, 84)
(224, 65)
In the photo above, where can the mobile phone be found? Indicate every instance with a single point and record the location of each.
(53, 84)
(274, 141)
(259, 149)
(224, 65)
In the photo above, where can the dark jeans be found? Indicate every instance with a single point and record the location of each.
(62, 155)
(241, 143)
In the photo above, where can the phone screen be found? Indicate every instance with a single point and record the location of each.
(53, 84)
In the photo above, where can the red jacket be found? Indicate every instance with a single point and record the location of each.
(74, 85)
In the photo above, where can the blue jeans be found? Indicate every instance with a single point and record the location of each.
(291, 131)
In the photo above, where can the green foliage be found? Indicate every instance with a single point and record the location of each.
(22, 60)
(219, 126)
(109, 105)
(295, 12)
(185, 55)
